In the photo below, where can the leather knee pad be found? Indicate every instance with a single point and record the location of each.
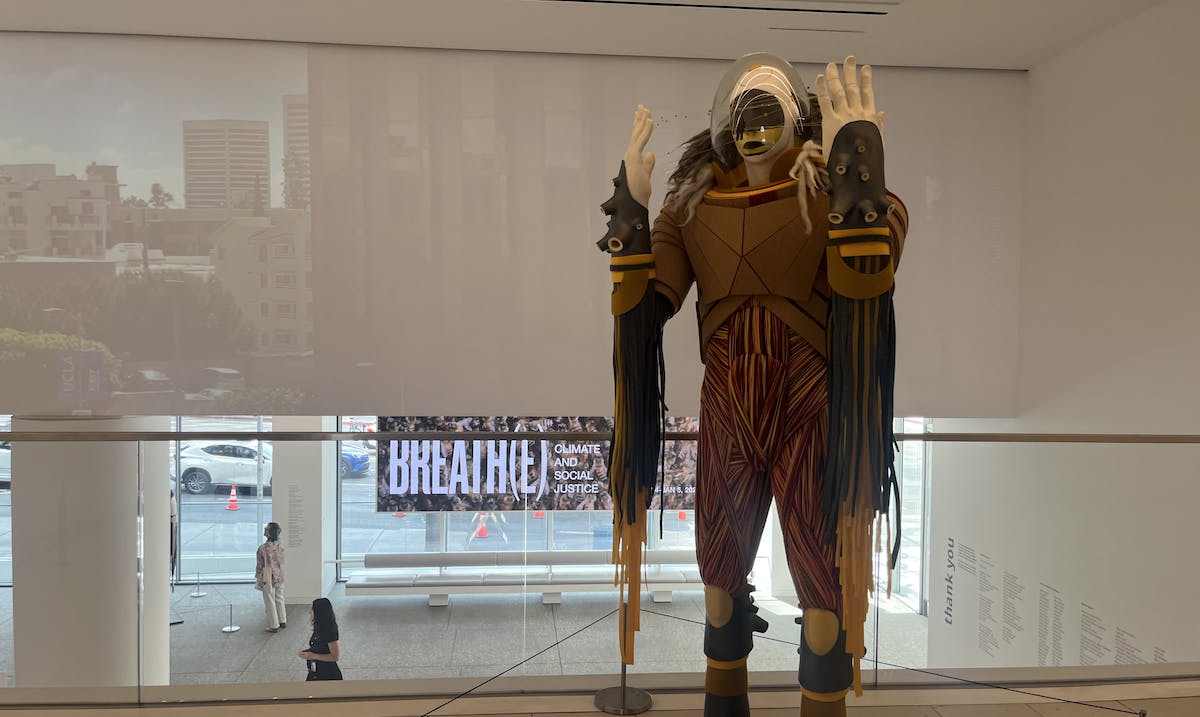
(732, 638)
(825, 666)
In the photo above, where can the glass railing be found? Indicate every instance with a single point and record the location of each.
(1023, 559)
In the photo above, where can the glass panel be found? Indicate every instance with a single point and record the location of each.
(5, 513)
(224, 491)
(6, 560)
(898, 625)
(1032, 607)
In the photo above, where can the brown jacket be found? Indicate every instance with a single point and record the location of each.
(745, 244)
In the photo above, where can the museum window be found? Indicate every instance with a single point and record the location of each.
(566, 516)
(216, 543)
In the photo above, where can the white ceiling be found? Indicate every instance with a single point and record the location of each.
(997, 34)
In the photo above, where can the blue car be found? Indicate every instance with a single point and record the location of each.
(354, 460)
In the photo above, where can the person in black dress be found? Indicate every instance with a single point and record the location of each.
(324, 649)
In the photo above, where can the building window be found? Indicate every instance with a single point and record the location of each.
(285, 280)
(262, 281)
(264, 340)
(285, 339)
(262, 254)
(264, 308)
(85, 193)
(285, 309)
(282, 250)
(89, 208)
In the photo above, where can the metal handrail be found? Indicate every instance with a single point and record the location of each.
(931, 437)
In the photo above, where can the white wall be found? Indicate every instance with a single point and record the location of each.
(304, 503)
(75, 544)
(1109, 253)
(1108, 344)
(456, 205)
(456, 210)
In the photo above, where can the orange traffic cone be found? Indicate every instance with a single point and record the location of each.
(682, 515)
(481, 529)
(232, 503)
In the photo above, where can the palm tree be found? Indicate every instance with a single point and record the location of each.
(159, 197)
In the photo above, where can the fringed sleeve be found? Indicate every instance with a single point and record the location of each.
(639, 411)
(866, 235)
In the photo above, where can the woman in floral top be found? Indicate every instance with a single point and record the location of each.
(268, 577)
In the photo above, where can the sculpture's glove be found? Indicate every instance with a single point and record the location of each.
(629, 219)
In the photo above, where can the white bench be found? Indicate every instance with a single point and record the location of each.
(550, 572)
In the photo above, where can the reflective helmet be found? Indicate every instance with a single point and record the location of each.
(760, 104)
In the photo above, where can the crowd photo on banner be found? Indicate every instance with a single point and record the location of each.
(538, 475)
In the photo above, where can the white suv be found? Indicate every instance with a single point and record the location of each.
(208, 463)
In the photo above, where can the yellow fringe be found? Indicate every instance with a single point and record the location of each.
(854, 560)
(859, 538)
(629, 534)
(629, 541)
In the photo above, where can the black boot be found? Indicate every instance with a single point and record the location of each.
(727, 648)
(825, 677)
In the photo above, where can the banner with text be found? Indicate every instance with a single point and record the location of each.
(513, 471)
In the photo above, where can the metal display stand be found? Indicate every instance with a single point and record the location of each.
(230, 627)
(623, 699)
(196, 593)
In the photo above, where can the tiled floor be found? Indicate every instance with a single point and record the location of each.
(402, 637)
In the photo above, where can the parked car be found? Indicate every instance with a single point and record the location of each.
(235, 463)
(207, 394)
(5, 464)
(147, 379)
(205, 464)
(354, 460)
(229, 379)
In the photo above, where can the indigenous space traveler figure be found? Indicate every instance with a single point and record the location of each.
(792, 242)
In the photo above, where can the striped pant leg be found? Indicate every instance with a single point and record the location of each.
(797, 480)
(740, 423)
(732, 503)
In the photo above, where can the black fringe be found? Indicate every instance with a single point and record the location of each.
(860, 402)
(640, 373)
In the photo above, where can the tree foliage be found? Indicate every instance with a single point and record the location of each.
(159, 316)
(159, 197)
(30, 366)
(295, 178)
(256, 401)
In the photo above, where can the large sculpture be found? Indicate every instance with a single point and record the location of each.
(792, 242)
